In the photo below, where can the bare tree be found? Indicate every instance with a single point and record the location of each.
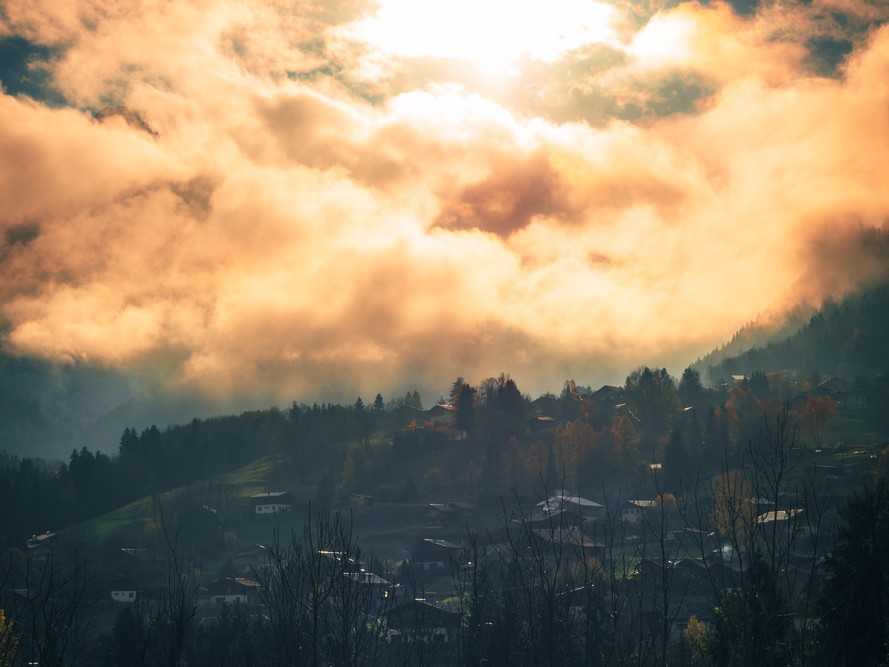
(44, 604)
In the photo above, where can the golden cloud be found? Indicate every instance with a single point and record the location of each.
(273, 235)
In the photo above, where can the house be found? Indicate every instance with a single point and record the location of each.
(542, 424)
(40, 542)
(373, 587)
(123, 589)
(634, 511)
(574, 508)
(230, 589)
(782, 516)
(140, 554)
(272, 502)
(608, 395)
(252, 559)
(442, 413)
(833, 387)
(430, 555)
(418, 621)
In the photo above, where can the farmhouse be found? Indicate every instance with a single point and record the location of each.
(272, 502)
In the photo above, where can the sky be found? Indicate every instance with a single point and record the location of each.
(324, 199)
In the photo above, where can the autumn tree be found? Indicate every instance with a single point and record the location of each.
(814, 417)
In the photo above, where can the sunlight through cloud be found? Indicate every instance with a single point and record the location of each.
(490, 34)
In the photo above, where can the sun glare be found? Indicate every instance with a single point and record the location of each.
(489, 33)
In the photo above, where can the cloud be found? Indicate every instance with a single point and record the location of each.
(247, 221)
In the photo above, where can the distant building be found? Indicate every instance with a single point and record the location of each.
(272, 502)
(418, 621)
(442, 413)
(40, 542)
(232, 590)
(576, 508)
(634, 511)
(429, 554)
(124, 589)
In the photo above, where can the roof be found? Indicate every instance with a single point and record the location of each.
(232, 586)
(39, 540)
(643, 503)
(269, 495)
(777, 515)
(365, 577)
(559, 501)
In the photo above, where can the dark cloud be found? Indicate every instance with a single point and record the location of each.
(509, 198)
(25, 69)
(22, 234)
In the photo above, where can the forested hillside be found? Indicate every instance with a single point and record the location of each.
(843, 339)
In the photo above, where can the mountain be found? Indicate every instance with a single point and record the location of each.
(46, 406)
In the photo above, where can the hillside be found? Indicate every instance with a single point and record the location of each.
(846, 339)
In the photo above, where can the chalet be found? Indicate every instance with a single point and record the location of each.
(608, 395)
(140, 554)
(442, 413)
(123, 589)
(40, 542)
(272, 502)
(418, 621)
(573, 507)
(833, 387)
(429, 554)
(232, 590)
(542, 424)
(253, 558)
(374, 587)
(634, 511)
(781, 516)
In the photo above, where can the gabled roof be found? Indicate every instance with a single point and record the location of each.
(777, 515)
(232, 586)
(39, 540)
(560, 500)
(439, 408)
(368, 578)
(271, 495)
(644, 504)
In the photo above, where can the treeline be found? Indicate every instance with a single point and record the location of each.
(494, 440)
(38, 495)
